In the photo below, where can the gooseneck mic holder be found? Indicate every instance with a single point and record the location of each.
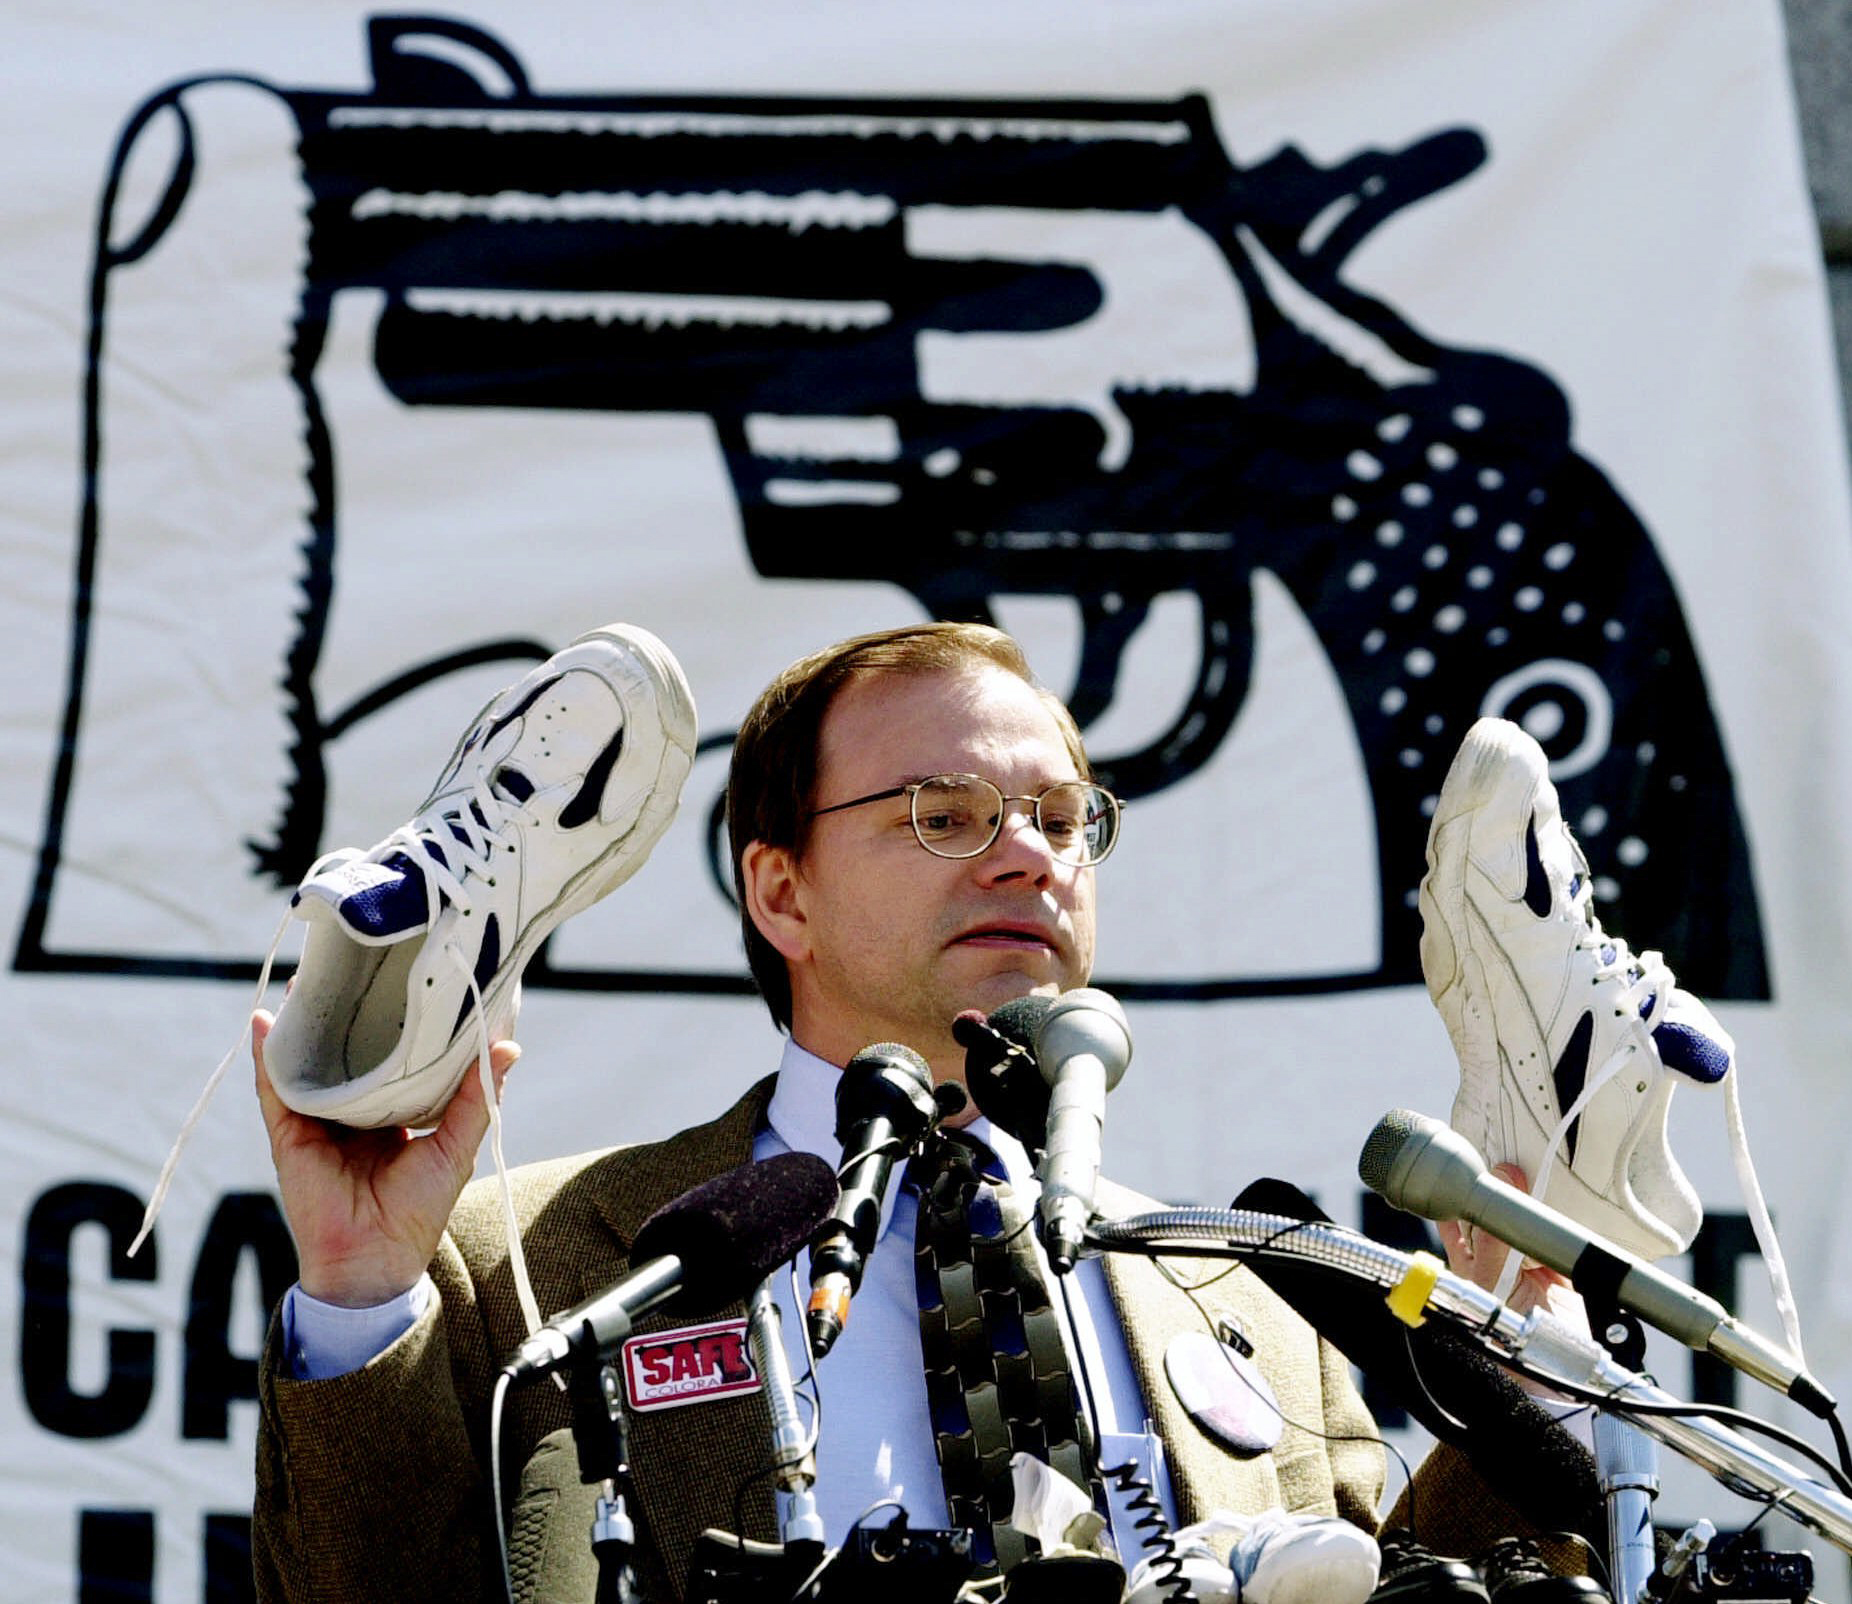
(1416, 1284)
(796, 1465)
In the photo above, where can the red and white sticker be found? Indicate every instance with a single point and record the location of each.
(691, 1365)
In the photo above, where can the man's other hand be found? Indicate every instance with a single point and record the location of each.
(1480, 1257)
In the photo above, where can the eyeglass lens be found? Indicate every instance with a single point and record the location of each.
(959, 815)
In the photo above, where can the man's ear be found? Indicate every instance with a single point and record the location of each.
(769, 883)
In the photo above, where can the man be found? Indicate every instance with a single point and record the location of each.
(373, 1475)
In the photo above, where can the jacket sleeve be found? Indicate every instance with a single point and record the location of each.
(372, 1485)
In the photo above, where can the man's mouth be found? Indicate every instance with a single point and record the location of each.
(1006, 936)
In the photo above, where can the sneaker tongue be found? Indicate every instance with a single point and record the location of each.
(1691, 1041)
(1688, 1050)
(377, 903)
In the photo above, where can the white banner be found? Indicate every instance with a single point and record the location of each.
(1298, 382)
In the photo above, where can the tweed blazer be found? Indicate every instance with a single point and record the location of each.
(375, 1485)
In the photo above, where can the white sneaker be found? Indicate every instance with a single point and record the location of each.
(1570, 1046)
(553, 798)
(1276, 1558)
(1302, 1558)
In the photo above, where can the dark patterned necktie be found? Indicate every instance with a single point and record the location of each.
(998, 1377)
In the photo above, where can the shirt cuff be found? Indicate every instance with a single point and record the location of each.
(324, 1340)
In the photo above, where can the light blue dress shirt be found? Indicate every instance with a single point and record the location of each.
(867, 1452)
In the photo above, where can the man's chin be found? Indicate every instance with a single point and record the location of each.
(992, 991)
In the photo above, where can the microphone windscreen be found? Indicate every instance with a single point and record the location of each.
(893, 1056)
(886, 1080)
(1003, 1074)
(1442, 1378)
(1386, 1140)
(1020, 1020)
(731, 1232)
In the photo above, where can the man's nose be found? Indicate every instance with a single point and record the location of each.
(1020, 847)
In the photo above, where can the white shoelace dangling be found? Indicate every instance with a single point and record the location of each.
(473, 831)
(1649, 988)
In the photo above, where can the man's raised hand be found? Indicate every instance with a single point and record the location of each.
(367, 1207)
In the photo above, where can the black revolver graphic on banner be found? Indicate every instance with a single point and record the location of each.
(1064, 348)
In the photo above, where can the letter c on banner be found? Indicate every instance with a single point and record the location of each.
(45, 1318)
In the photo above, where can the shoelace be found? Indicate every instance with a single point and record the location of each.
(478, 829)
(1649, 988)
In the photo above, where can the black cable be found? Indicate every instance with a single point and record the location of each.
(1421, 1381)
(1189, 1290)
(1621, 1404)
(1160, 1546)
(1841, 1478)
(1591, 1553)
(1839, 1439)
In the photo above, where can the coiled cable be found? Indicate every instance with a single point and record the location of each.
(1154, 1533)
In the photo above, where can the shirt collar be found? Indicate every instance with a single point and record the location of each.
(802, 1115)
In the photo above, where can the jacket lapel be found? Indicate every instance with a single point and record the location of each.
(1154, 1312)
(690, 1463)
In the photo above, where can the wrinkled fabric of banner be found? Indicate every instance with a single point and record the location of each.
(1298, 383)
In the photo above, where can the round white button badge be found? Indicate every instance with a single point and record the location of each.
(1224, 1393)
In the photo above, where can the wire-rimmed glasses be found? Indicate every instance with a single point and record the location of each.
(960, 815)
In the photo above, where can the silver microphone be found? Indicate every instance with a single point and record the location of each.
(1083, 1046)
(1428, 1168)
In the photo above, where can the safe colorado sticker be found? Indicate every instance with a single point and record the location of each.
(691, 1364)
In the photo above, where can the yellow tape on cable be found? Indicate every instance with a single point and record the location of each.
(1409, 1296)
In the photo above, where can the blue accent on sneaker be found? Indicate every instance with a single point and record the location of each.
(488, 960)
(1536, 883)
(1571, 1075)
(520, 707)
(1691, 1052)
(583, 807)
(1006, 1332)
(388, 909)
(985, 1216)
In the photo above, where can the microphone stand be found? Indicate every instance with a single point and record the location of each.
(598, 1430)
(1627, 1461)
(796, 1465)
(1418, 1282)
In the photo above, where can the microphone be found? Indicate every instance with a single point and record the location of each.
(710, 1247)
(884, 1105)
(1083, 1045)
(1448, 1382)
(1429, 1169)
(1001, 1071)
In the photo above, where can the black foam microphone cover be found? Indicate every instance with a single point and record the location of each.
(1442, 1378)
(1002, 1072)
(731, 1232)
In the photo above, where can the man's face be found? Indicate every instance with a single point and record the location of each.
(895, 941)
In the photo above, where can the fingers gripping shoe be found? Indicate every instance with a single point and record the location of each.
(1570, 1046)
(412, 960)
